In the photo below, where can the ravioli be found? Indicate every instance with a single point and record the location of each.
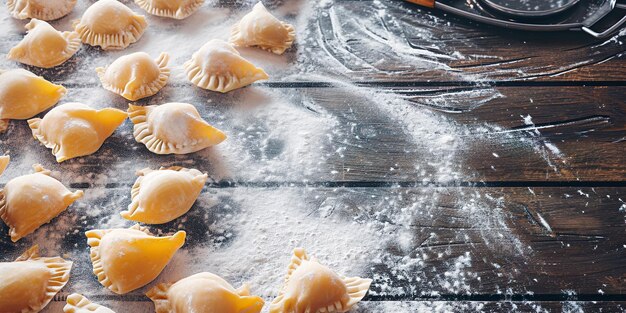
(110, 25)
(44, 46)
(178, 9)
(135, 76)
(217, 66)
(24, 95)
(203, 292)
(313, 288)
(160, 196)
(4, 162)
(127, 259)
(261, 29)
(29, 201)
(77, 303)
(46, 10)
(29, 283)
(74, 129)
(172, 128)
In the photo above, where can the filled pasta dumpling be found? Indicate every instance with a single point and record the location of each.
(136, 75)
(110, 25)
(217, 66)
(4, 162)
(77, 303)
(30, 283)
(160, 196)
(127, 259)
(203, 292)
(74, 129)
(44, 46)
(261, 29)
(178, 9)
(172, 128)
(29, 201)
(24, 95)
(45, 10)
(312, 287)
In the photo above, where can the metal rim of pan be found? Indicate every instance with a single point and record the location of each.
(500, 7)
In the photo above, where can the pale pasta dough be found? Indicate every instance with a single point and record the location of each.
(178, 9)
(45, 10)
(29, 283)
(74, 129)
(261, 29)
(110, 25)
(77, 303)
(313, 288)
(136, 75)
(44, 46)
(29, 201)
(217, 66)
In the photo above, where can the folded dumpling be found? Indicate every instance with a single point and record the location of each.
(24, 95)
(29, 201)
(136, 75)
(160, 196)
(127, 259)
(110, 25)
(217, 66)
(29, 283)
(77, 303)
(313, 288)
(4, 162)
(44, 46)
(261, 29)
(45, 10)
(74, 129)
(178, 9)
(172, 128)
(203, 292)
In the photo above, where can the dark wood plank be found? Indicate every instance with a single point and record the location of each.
(416, 243)
(359, 134)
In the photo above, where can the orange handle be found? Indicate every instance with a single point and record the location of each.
(426, 3)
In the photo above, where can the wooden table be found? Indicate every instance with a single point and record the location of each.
(498, 155)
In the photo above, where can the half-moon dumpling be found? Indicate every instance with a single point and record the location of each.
(178, 9)
(160, 196)
(29, 283)
(4, 162)
(77, 303)
(74, 129)
(110, 25)
(312, 287)
(24, 95)
(217, 66)
(203, 292)
(260, 28)
(127, 259)
(29, 201)
(136, 75)
(46, 10)
(44, 46)
(172, 128)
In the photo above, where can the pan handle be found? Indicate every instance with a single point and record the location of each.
(424, 3)
(608, 31)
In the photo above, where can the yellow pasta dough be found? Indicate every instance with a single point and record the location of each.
(261, 29)
(29, 201)
(172, 128)
(313, 288)
(28, 284)
(44, 46)
(24, 95)
(178, 9)
(127, 259)
(77, 303)
(74, 129)
(203, 292)
(217, 66)
(160, 196)
(4, 162)
(136, 75)
(110, 25)
(45, 10)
